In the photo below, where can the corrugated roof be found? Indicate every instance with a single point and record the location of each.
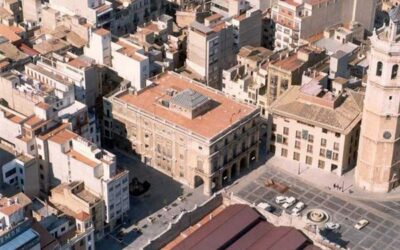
(267, 236)
(20, 240)
(220, 231)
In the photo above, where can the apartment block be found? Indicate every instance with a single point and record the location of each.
(76, 200)
(99, 46)
(210, 50)
(165, 46)
(172, 124)
(268, 30)
(125, 57)
(212, 45)
(247, 29)
(32, 10)
(47, 97)
(73, 158)
(67, 232)
(298, 20)
(22, 173)
(120, 17)
(248, 79)
(80, 71)
(288, 70)
(130, 62)
(317, 128)
(15, 226)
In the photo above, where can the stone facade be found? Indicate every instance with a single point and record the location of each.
(378, 165)
(191, 149)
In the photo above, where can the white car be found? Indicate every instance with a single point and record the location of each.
(361, 224)
(289, 202)
(280, 199)
(265, 206)
(298, 208)
(332, 226)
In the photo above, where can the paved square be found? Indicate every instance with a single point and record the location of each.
(382, 232)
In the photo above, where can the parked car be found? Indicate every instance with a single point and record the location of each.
(361, 224)
(289, 202)
(298, 208)
(332, 226)
(280, 199)
(265, 206)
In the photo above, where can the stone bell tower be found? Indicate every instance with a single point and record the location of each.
(378, 166)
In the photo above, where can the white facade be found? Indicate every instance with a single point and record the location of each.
(299, 19)
(129, 61)
(76, 159)
(99, 47)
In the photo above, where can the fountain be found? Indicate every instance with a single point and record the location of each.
(317, 216)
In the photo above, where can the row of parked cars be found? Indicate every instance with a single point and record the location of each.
(287, 202)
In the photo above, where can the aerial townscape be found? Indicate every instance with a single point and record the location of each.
(200, 124)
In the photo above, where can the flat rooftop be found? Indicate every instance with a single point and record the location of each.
(62, 136)
(225, 113)
(83, 159)
(87, 196)
(130, 51)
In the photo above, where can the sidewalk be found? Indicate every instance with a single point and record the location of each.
(327, 180)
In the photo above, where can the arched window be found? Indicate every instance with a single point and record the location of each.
(395, 69)
(379, 69)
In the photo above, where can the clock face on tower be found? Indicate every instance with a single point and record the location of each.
(387, 135)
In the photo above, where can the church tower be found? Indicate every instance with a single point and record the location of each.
(378, 166)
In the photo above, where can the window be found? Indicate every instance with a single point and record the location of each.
(324, 130)
(322, 152)
(297, 144)
(308, 160)
(323, 142)
(336, 146)
(395, 68)
(285, 131)
(285, 141)
(310, 138)
(11, 172)
(274, 127)
(296, 156)
(329, 154)
(298, 134)
(379, 67)
(335, 156)
(337, 135)
(321, 164)
(284, 152)
(305, 134)
(309, 148)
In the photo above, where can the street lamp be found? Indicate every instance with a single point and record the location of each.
(298, 169)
